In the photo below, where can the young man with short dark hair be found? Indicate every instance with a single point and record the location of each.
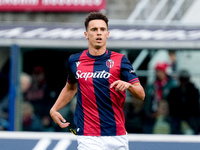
(100, 78)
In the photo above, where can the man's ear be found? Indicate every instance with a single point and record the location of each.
(108, 34)
(86, 34)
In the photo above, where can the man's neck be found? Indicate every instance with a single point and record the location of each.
(97, 52)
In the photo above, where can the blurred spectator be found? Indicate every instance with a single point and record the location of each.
(25, 82)
(162, 122)
(134, 116)
(37, 93)
(30, 122)
(173, 60)
(4, 123)
(184, 105)
(156, 92)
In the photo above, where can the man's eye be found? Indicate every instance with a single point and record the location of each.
(94, 29)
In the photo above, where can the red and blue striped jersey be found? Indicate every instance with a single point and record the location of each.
(99, 109)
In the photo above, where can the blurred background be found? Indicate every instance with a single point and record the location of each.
(161, 38)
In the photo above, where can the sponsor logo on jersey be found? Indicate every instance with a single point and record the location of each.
(131, 71)
(78, 129)
(97, 74)
(77, 63)
(109, 63)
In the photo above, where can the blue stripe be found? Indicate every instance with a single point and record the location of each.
(78, 116)
(103, 99)
(126, 67)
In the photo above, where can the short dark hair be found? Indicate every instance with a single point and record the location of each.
(95, 16)
(184, 75)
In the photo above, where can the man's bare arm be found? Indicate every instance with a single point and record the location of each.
(64, 98)
(135, 89)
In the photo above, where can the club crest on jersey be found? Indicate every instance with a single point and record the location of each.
(109, 63)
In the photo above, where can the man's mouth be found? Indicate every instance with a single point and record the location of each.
(98, 39)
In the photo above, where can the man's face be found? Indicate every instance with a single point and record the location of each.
(160, 74)
(97, 33)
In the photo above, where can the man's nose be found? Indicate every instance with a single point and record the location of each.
(98, 31)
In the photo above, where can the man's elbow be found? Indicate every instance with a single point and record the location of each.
(138, 91)
(142, 97)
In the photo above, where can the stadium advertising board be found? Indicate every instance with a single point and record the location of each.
(52, 5)
(120, 36)
(118, 33)
(67, 141)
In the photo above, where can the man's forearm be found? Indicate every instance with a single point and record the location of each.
(137, 91)
(65, 97)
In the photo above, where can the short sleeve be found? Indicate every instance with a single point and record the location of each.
(70, 76)
(127, 72)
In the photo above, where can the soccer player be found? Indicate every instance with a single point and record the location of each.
(100, 78)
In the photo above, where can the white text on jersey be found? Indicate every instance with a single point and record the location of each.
(98, 74)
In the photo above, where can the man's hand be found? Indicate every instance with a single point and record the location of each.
(58, 119)
(120, 85)
(135, 89)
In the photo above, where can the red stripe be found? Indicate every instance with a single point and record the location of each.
(118, 98)
(90, 110)
(134, 80)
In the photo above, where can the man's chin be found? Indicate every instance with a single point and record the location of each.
(98, 46)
